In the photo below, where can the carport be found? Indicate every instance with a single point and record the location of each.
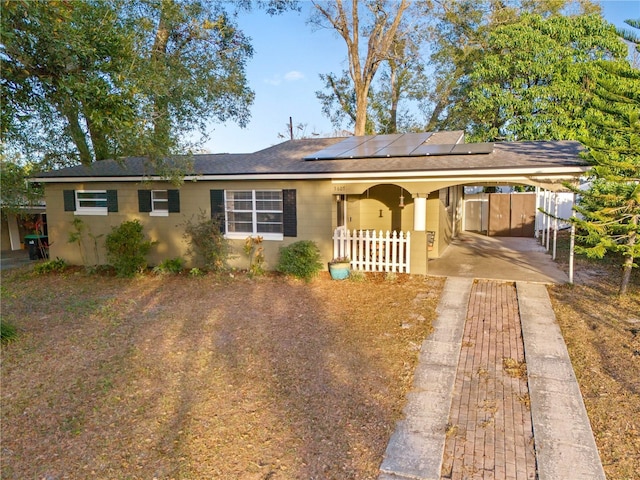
(473, 255)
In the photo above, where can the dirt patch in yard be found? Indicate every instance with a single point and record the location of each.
(602, 332)
(177, 377)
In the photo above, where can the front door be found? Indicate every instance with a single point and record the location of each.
(341, 211)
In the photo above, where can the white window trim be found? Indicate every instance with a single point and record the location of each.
(159, 213)
(90, 210)
(254, 233)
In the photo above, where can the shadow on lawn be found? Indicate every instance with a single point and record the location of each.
(176, 377)
(299, 393)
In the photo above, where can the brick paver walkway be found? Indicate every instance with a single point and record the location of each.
(490, 435)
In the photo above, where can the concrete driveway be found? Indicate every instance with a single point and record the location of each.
(13, 259)
(473, 255)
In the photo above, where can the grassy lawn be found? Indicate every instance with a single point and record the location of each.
(177, 377)
(602, 332)
(220, 377)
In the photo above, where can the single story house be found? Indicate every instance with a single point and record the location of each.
(389, 202)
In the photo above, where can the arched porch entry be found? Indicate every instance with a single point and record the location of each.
(392, 226)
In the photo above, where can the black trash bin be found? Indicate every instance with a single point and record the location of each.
(37, 245)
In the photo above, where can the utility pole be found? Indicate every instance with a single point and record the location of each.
(291, 128)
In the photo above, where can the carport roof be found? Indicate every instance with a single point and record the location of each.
(294, 159)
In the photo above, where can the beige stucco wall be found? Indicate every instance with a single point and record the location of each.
(314, 215)
(379, 209)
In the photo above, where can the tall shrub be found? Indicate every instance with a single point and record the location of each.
(206, 241)
(127, 248)
(300, 259)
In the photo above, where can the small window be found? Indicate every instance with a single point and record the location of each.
(254, 212)
(159, 202)
(91, 202)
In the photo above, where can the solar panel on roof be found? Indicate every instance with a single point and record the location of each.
(412, 139)
(403, 145)
(472, 148)
(335, 151)
(433, 149)
(396, 145)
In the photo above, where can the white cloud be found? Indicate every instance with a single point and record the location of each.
(292, 76)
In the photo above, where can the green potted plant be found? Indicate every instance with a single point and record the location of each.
(339, 268)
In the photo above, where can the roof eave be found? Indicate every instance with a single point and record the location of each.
(575, 169)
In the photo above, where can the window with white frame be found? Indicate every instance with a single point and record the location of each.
(254, 212)
(159, 202)
(91, 202)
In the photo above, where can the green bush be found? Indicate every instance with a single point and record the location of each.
(300, 259)
(8, 331)
(171, 266)
(127, 248)
(196, 272)
(207, 241)
(58, 265)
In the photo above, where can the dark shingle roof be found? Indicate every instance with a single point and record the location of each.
(289, 158)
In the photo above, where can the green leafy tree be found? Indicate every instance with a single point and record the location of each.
(96, 79)
(460, 33)
(15, 191)
(610, 209)
(633, 38)
(535, 78)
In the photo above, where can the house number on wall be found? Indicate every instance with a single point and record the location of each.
(339, 188)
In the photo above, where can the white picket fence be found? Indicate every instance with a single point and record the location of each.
(372, 251)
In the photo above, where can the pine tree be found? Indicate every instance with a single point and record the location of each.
(610, 209)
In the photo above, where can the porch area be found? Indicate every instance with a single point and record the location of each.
(371, 251)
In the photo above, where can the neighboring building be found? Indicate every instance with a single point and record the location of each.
(305, 190)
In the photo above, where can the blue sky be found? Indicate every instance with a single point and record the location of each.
(284, 73)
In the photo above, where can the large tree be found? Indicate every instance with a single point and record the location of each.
(535, 78)
(610, 209)
(401, 86)
(84, 81)
(17, 193)
(460, 32)
(378, 22)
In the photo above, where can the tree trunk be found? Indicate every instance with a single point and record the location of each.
(395, 98)
(628, 260)
(437, 110)
(380, 40)
(70, 111)
(362, 94)
(98, 140)
(161, 127)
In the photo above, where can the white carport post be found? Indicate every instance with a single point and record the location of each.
(555, 223)
(536, 233)
(572, 243)
(547, 208)
(545, 218)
